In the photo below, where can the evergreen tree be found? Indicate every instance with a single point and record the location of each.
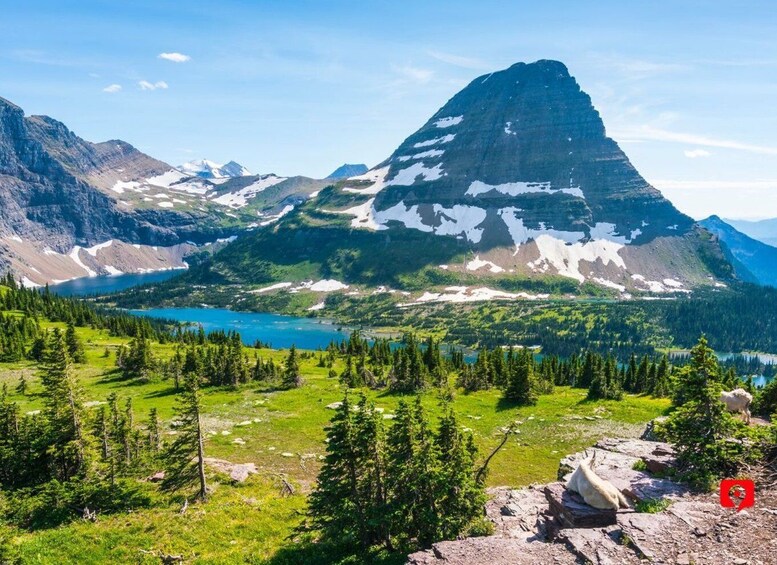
(662, 385)
(68, 443)
(21, 387)
(154, 432)
(520, 383)
(185, 456)
(701, 427)
(291, 374)
(459, 495)
(335, 507)
(74, 345)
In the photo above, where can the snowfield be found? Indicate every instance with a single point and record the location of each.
(449, 121)
(461, 294)
(515, 188)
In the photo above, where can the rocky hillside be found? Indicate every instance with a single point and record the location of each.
(72, 208)
(753, 260)
(513, 177)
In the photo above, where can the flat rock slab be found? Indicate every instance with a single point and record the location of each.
(618, 468)
(658, 456)
(601, 546)
(571, 510)
(650, 534)
(493, 551)
(519, 513)
(605, 462)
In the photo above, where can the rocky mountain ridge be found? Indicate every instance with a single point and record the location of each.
(62, 196)
(753, 260)
(206, 169)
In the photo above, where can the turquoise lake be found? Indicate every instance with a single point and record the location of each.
(279, 331)
(107, 284)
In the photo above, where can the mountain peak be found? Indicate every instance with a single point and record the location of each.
(523, 151)
(211, 170)
(348, 170)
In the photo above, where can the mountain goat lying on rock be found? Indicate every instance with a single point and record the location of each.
(738, 400)
(596, 491)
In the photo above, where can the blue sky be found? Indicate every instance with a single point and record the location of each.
(687, 88)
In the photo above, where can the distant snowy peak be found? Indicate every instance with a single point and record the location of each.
(347, 171)
(210, 170)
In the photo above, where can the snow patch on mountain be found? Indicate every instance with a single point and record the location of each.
(409, 217)
(605, 230)
(408, 176)
(460, 219)
(95, 248)
(272, 219)
(609, 284)
(75, 256)
(165, 180)
(211, 170)
(565, 258)
(521, 234)
(377, 177)
(240, 198)
(422, 155)
(449, 121)
(478, 263)
(461, 294)
(444, 139)
(477, 188)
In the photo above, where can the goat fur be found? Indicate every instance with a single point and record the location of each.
(596, 491)
(738, 400)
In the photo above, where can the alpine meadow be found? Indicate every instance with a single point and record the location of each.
(538, 326)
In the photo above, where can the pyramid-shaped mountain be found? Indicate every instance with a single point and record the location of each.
(514, 177)
(517, 154)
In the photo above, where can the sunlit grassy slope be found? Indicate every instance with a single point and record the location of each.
(282, 433)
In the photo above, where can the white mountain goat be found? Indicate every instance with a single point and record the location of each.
(738, 400)
(596, 491)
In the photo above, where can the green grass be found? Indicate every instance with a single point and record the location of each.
(250, 522)
(653, 505)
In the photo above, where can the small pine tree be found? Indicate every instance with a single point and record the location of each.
(291, 373)
(21, 387)
(185, 456)
(74, 345)
(154, 432)
(520, 381)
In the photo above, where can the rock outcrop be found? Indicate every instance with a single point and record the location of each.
(547, 524)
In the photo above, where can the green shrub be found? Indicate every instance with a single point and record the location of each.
(58, 502)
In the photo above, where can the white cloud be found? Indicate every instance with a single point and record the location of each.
(650, 133)
(727, 198)
(459, 61)
(112, 88)
(635, 68)
(695, 153)
(145, 85)
(414, 74)
(174, 57)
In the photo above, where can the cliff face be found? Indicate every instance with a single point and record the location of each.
(524, 151)
(46, 194)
